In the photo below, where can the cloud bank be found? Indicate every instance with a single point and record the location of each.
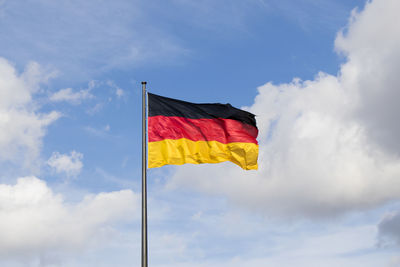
(36, 221)
(328, 145)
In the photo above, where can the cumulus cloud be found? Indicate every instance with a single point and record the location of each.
(371, 45)
(36, 221)
(71, 164)
(328, 145)
(22, 126)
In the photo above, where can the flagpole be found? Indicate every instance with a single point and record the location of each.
(144, 176)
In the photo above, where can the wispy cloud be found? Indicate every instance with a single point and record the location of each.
(117, 90)
(102, 132)
(71, 164)
(68, 94)
(82, 38)
(112, 179)
(298, 12)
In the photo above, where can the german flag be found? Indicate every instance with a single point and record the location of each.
(181, 132)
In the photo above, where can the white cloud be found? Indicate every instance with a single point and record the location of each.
(119, 92)
(69, 164)
(22, 127)
(371, 45)
(68, 95)
(329, 145)
(72, 97)
(36, 222)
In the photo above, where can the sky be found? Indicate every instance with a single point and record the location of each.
(320, 76)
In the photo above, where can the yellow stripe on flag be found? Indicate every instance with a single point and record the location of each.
(181, 151)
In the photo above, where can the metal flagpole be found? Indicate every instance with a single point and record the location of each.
(144, 175)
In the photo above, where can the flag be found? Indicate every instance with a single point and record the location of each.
(181, 132)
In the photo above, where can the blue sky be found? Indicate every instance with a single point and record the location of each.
(321, 76)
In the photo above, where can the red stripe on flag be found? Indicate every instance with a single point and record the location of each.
(222, 130)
